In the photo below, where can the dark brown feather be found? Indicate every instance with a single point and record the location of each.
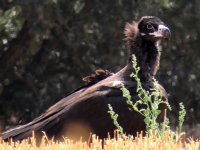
(99, 75)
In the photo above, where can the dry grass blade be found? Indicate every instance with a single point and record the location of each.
(150, 142)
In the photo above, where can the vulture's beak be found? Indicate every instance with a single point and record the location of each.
(162, 32)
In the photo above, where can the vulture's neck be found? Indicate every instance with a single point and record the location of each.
(148, 58)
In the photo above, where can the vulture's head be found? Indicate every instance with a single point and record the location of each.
(152, 28)
(148, 28)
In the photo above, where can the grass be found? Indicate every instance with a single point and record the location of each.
(149, 142)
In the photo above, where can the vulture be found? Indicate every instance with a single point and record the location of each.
(85, 110)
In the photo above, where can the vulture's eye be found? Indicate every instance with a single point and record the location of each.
(149, 26)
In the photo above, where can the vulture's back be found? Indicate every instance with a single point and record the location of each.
(83, 112)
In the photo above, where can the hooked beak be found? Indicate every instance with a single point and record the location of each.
(163, 32)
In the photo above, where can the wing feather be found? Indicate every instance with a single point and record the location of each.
(53, 115)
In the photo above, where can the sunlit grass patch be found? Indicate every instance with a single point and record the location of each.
(150, 142)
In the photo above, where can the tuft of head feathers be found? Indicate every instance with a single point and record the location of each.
(131, 30)
(131, 33)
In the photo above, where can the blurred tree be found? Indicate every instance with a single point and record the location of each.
(47, 46)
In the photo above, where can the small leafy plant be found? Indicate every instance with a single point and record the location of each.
(181, 118)
(114, 116)
(148, 106)
(148, 100)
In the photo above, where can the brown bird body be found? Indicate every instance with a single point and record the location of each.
(85, 110)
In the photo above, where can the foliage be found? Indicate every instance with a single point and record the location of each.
(9, 22)
(164, 3)
(114, 117)
(148, 103)
(148, 106)
(181, 118)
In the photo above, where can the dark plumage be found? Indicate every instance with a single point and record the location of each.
(97, 76)
(85, 110)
